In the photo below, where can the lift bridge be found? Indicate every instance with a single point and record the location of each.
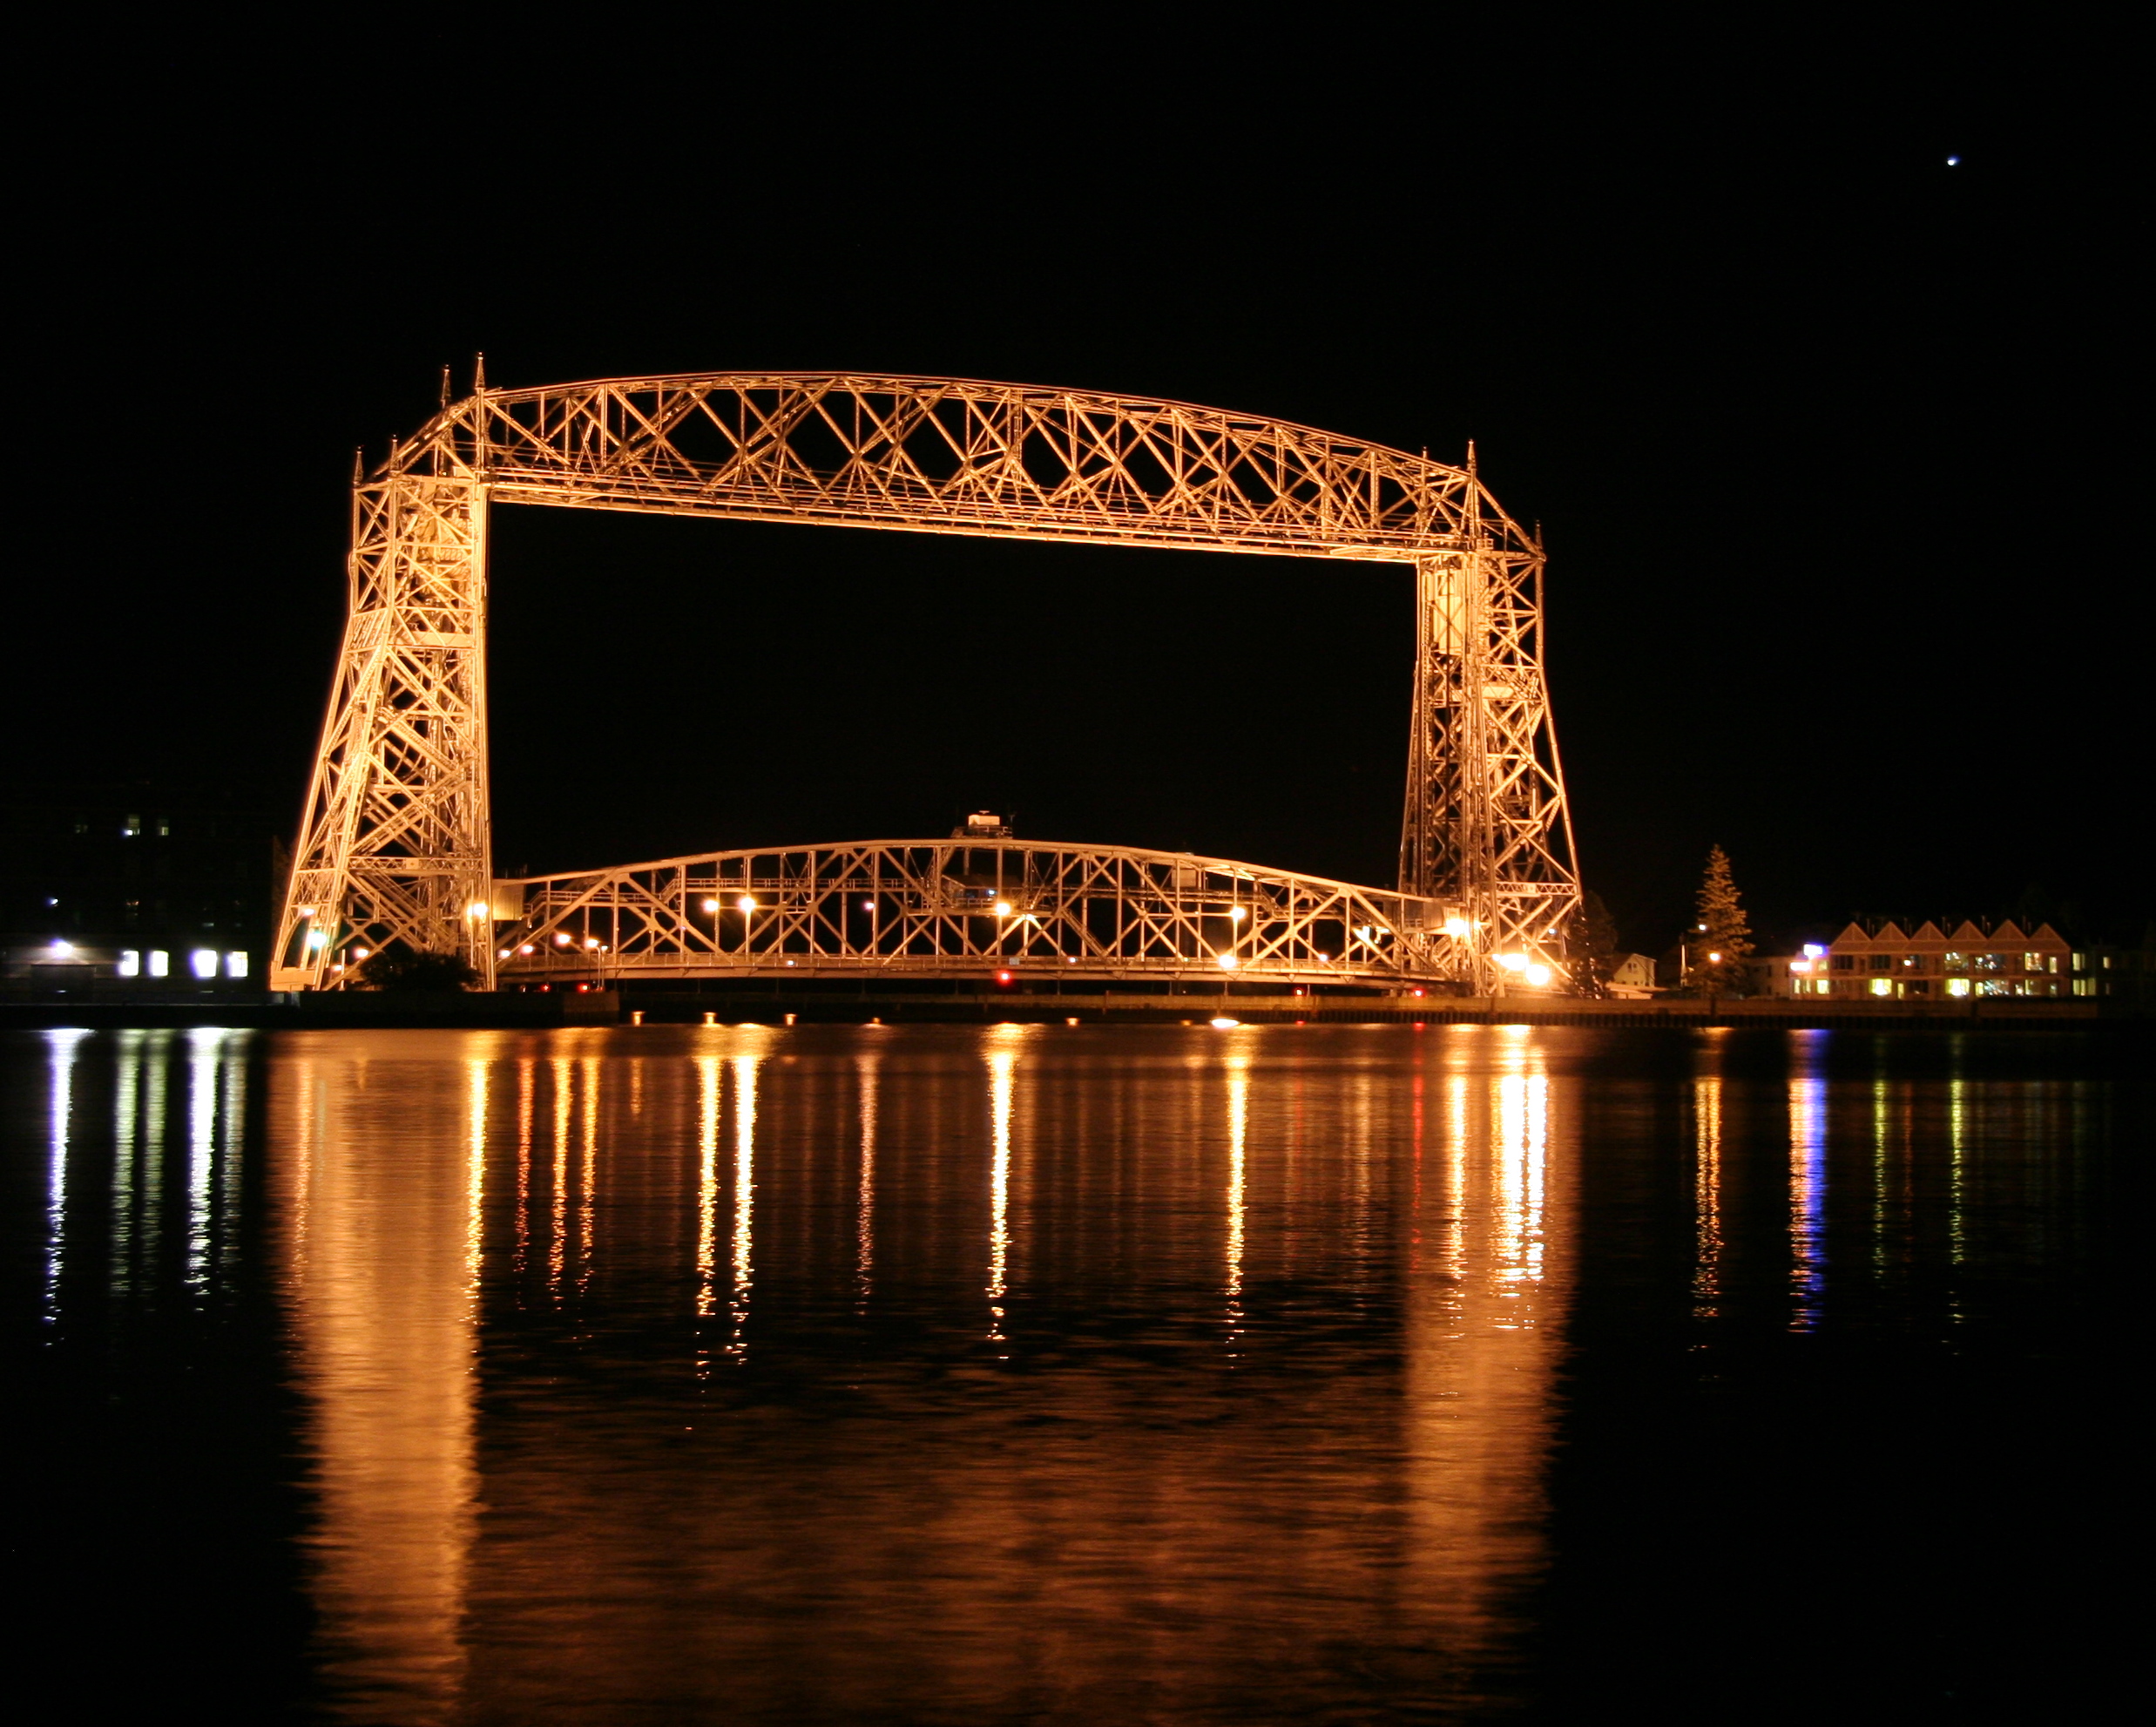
(394, 850)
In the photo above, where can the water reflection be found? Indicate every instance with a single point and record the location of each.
(1485, 1333)
(1099, 1509)
(1706, 1195)
(1808, 1179)
(1001, 1064)
(864, 1211)
(1238, 1127)
(383, 1187)
(60, 1047)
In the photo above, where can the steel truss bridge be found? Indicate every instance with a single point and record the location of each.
(394, 847)
(1025, 910)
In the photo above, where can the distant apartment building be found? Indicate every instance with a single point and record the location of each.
(132, 884)
(1890, 963)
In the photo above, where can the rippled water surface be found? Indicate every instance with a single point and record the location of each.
(1070, 1374)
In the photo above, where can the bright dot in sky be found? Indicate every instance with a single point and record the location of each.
(1953, 161)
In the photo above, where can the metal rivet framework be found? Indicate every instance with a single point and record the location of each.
(1029, 908)
(393, 841)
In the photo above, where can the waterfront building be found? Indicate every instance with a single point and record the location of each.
(1930, 961)
(134, 886)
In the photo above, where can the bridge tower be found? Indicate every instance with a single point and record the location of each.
(393, 841)
(1486, 825)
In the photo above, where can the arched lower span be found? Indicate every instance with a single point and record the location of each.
(394, 843)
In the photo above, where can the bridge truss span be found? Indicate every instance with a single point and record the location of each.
(394, 847)
(1026, 910)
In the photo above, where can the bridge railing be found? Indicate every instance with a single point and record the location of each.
(970, 908)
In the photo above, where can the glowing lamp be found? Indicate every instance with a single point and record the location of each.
(1513, 962)
(1537, 975)
(711, 905)
(1227, 962)
(746, 903)
(1456, 927)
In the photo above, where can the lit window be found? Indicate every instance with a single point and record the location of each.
(1882, 986)
(1957, 986)
(131, 827)
(235, 964)
(203, 962)
(130, 962)
(161, 963)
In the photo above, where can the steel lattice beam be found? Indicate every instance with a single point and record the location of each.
(394, 847)
(911, 907)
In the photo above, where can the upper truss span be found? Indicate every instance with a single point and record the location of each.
(957, 456)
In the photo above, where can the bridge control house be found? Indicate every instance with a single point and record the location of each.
(1929, 961)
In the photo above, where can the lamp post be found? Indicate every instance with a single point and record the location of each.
(747, 904)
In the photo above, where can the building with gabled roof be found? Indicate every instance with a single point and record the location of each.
(1931, 961)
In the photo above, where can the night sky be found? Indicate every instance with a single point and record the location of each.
(1828, 438)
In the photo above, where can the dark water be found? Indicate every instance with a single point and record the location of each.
(1072, 1375)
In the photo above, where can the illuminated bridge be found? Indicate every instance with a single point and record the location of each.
(970, 907)
(395, 846)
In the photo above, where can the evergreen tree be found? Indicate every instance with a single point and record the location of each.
(1719, 938)
(1591, 943)
(398, 968)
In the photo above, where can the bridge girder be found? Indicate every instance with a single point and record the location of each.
(394, 841)
(968, 908)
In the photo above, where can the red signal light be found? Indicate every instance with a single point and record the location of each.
(1003, 976)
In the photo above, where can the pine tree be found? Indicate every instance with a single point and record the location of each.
(1591, 944)
(1719, 938)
